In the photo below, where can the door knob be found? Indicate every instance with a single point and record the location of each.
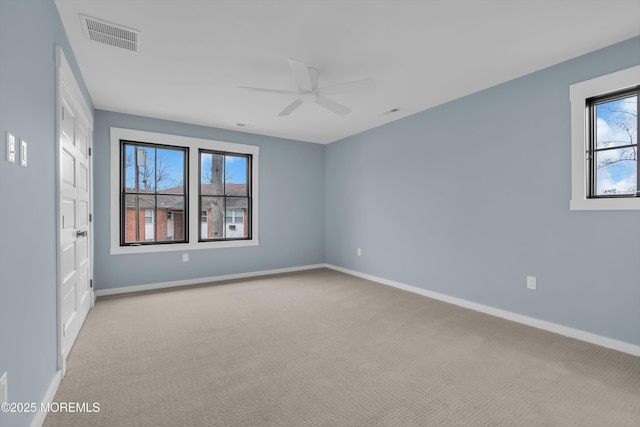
(81, 233)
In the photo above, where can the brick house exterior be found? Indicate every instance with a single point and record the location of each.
(165, 222)
(162, 219)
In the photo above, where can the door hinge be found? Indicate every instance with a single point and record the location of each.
(90, 217)
(91, 283)
(89, 151)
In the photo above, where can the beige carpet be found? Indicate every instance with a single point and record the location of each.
(321, 348)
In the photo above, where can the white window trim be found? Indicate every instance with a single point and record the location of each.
(194, 144)
(579, 93)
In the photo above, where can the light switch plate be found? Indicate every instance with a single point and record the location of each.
(23, 153)
(11, 148)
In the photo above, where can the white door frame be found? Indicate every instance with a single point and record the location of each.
(64, 75)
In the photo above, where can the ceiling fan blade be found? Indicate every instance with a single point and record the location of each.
(264, 90)
(347, 87)
(334, 106)
(291, 107)
(301, 72)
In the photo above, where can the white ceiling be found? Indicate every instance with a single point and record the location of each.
(194, 54)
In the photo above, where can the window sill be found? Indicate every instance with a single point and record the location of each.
(631, 203)
(180, 247)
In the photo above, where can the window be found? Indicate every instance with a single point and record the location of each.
(604, 142)
(165, 203)
(153, 193)
(225, 195)
(613, 148)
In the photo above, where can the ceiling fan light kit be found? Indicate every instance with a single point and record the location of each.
(308, 90)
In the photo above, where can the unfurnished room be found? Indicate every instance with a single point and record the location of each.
(319, 213)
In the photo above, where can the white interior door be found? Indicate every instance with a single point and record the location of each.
(75, 234)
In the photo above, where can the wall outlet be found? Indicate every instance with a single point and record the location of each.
(359, 252)
(4, 393)
(185, 257)
(531, 282)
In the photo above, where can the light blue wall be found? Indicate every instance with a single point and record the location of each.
(291, 210)
(29, 31)
(465, 199)
(468, 198)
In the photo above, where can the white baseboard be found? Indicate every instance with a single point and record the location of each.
(38, 420)
(177, 283)
(508, 315)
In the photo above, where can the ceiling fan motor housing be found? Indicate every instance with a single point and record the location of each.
(308, 96)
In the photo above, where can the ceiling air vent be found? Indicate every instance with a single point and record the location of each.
(111, 34)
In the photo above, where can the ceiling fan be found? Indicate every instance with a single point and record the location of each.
(308, 90)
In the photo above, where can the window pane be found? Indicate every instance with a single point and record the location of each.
(169, 171)
(211, 174)
(214, 209)
(616, 171)
(206, 160)
(138, 218)
(130, 168)
(170, 218)
(145, 158)
(616, 122)
(130, 224)
(239, 226)
(236, 175)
